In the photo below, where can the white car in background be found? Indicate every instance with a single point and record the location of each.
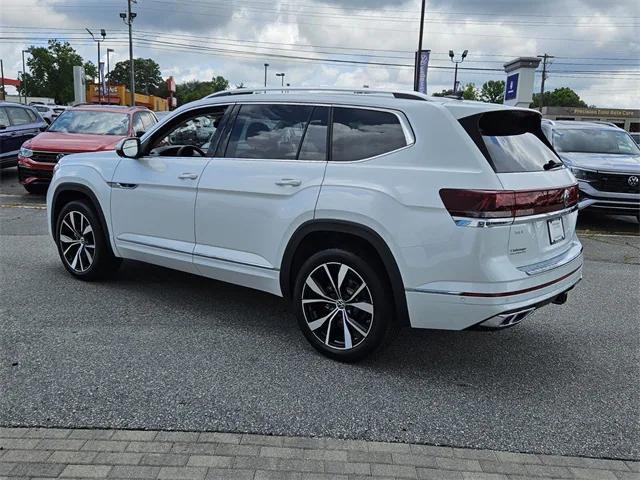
(366, 210)
(49, 112)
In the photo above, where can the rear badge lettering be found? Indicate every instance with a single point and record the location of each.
(517, 251)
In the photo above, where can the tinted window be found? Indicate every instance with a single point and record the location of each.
(268, 131)
(4, 119)
(314, 145)
(91, 122)
(18, 116)
(359, 133)
(594, 141)
(518, 153)
(42, 109)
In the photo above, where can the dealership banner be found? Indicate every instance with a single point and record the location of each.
(424, 66)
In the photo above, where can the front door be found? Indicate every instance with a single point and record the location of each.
(153, 197)
(255, 192)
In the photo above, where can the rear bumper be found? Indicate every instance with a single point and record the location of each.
(464, 308)
(30, 172)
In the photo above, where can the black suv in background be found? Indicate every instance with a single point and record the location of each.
(18, 123)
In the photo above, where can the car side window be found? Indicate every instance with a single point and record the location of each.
(268, 131)
(18, 116)
(359, 133)
(4, 118)
(148, 120)
(32, 115)
(195, 130)
(138, 126)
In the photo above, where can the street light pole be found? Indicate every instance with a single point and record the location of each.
(127, 18)
(266, 66)
(455, 78)
(20, 77)
(109, 50)
(24, 84)
(281, 75)
(103, 34)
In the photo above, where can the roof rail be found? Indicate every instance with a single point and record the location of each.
(611, 124)
(364, 91)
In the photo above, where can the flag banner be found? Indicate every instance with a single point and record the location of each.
(424, 66)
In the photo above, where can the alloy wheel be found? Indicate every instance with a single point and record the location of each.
(77, 241)
(337, 306)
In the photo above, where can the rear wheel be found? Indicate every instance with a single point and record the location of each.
(82, 242)
(343, 304)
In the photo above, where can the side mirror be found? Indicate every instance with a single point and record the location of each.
(140, 133)
(129, 147)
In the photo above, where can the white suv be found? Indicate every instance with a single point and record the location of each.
(366, 210)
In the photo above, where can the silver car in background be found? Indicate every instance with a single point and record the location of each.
(604, 159)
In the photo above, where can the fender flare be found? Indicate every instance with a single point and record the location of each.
(358, 230)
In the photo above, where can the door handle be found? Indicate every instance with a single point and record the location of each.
(292, 182)
(188, 176)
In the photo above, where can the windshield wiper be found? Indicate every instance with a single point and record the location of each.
(551, 164)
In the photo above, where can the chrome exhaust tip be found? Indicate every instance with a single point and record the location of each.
(506, 320)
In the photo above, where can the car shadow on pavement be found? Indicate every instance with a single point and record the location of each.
(462, 356)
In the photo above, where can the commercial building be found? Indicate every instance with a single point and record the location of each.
(624, 118)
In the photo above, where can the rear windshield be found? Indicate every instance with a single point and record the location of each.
(512, 141)
(594, 141)
(91, 122)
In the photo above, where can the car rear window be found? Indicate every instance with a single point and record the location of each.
(512, 141)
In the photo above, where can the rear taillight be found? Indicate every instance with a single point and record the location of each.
(507, 203)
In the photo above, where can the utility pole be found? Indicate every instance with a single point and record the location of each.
(127, 18)
(4, 92)
(419, 54)
(266, 66)
(21, 78)
(544, 58)
(24, 83)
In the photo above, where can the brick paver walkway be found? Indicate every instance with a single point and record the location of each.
(67, 453)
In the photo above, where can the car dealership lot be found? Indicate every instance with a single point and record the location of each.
(161, 349)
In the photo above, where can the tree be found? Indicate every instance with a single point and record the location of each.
(469, 92)
(195, 89)
(492, 91)
(51, 71)
(147, 75)
(560, 97)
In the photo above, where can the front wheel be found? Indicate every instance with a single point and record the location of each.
(343, 304)
(82, 242)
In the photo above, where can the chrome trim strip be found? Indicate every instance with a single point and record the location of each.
(500, 222)
(569, 255)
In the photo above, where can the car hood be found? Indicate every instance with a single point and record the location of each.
(72, 142)
(602, 162)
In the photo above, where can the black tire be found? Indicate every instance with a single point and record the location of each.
(84, 250)
(36, 189)
(377, 325)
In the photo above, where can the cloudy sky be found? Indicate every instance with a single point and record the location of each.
(349, 43)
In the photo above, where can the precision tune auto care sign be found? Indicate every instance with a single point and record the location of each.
(511, 87)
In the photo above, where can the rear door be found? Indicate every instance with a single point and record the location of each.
(258, 189)
(514, 144)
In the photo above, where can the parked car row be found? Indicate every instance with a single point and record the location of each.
(49, 112)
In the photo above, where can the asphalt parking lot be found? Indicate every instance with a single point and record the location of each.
(160, 349)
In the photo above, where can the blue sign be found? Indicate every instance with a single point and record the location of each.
(512, 87)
